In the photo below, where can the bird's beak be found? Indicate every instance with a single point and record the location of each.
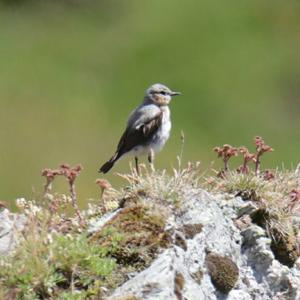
(175, 94)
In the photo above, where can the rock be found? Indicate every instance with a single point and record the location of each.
(180, 240)
(183, 270)
(96, 225)
(194, 251)
(247, 208)
(10, 225)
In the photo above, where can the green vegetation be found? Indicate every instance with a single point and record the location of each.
(55, 258)
(41, 268)
(275, 193)
(134, 235)
(71, 72)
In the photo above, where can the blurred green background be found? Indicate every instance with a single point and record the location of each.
(71, 72)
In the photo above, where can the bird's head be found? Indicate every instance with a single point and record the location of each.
(160, 94)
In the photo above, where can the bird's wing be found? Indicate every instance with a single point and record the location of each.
(140, 130)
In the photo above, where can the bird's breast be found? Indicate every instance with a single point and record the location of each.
(159, 138)
(163, 133)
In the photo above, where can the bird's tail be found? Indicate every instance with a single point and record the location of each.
(109, 164)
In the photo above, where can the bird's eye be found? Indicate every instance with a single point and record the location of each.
(163, 93)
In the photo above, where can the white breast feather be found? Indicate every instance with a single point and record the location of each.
(159, 139)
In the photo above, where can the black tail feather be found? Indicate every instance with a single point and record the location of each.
(109, 164)
(106, 167)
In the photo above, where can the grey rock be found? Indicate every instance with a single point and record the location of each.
(247, 208)
(180, 272)
(96, 225)
(261, 277)
(10, 225)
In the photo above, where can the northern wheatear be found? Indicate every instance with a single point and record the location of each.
(148, 127)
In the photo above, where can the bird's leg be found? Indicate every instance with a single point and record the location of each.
(137, 165)
(151, 159)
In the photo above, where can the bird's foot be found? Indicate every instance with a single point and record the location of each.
(137, 167)
(151, 160)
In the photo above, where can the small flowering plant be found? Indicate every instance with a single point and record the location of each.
(103, 184)
(261, 148)
(227, 151)
(247, 157)
(108, 195)
(50, 175)
(294, 199)
(70, 173)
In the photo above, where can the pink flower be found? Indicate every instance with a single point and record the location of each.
(103, 184)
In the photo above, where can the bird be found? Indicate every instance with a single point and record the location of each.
(148, 127)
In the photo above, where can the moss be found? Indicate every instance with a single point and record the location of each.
(179, 283)
(197, 276)
(223, 271)
(134, 235)
(190, 230)
(285, 247)
(187, 231)
(283, 242)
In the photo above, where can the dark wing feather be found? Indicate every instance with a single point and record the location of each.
(139, 136)
(133, 137)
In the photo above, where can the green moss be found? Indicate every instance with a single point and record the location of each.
(134, 235)
(40, 269)
(223, 271)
